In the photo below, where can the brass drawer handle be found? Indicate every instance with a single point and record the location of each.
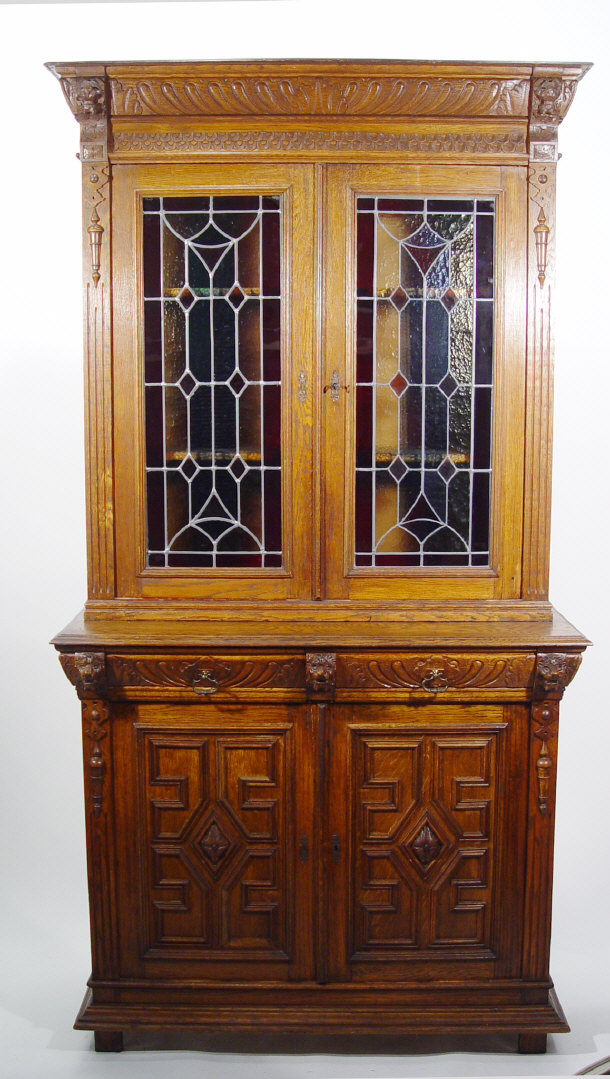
(205, 676)
(435, 681)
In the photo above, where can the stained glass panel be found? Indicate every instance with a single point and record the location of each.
(212, 381)
(424, 347)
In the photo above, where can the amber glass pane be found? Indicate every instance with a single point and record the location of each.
(424, 362)
(212, 381)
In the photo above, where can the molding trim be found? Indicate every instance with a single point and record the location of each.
(512, 142)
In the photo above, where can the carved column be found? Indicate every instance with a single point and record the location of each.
(87, 673)
(554, 671)
(551, 96)
(88, 97)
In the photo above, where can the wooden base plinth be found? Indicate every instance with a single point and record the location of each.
(531, 1022)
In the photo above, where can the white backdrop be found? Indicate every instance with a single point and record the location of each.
(43, 916)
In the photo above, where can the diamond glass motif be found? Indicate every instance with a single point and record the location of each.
(399, 384)
(398, 469)
(187, 384)
(212, 332)
(424, 381)
(186, 299)
(399, 298)
(236, 297)
(448, 385)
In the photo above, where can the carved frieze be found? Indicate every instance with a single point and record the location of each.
(320, 673)
(188, 672)
(318, 95)
(554, 672)
(437, 673)
(511, 142)
(95, 715)
(86, 671)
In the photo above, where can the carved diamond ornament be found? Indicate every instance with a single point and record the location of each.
(426, 846)
(214, 845)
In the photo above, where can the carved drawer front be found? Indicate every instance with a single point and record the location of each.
(194, 677)
(429, 674)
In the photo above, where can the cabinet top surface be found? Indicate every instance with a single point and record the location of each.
(302, 634)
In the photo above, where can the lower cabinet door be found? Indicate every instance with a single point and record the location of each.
(427, 823)
(213, 826)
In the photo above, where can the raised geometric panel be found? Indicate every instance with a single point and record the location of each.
(460, 902)
(251, 912)
(216, 878)
(388, 912)
(391, 780)
(423, 822)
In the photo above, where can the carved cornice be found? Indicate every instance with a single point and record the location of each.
(86, 671)
(554, 672)
(512, 142)
(318, 95)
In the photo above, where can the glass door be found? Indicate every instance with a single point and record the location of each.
(424, 383)
(219, 354)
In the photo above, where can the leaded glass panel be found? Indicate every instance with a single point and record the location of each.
(212, 381)
(424, 365)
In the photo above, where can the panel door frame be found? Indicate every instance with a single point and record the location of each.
(493, 731)
(294, 183)
(502, 579)
(143, 737)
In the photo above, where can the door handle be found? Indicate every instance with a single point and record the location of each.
(335, 846)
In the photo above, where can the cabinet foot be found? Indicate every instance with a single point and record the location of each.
(532, 1043)
(108, 1041)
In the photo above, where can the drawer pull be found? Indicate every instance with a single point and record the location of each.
(435, 682)
(335, 846)
(205, 690)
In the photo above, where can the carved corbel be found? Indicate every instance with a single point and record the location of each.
(553, 674)
(86, 671)
(95, 715)
(320, 674)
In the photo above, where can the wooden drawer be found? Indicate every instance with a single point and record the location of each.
(425, 675)
(195, 677)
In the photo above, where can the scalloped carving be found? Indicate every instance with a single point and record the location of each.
(311, 95)
(437, 672)
(250, 141)
(156, 672)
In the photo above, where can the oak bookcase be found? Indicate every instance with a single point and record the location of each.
(319, 671)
